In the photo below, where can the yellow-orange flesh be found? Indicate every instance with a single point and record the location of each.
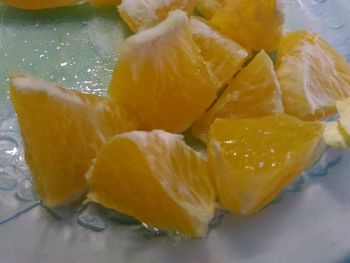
(62, 131)
(156, 178)
(252, 160)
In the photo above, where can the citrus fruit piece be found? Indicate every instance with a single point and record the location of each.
(156, 178)
(62, 131)
(255, 24)
(140, 15)
(223, 57)
(105, 3)
(252, 160)
(41, 4)
(254, 92)
(312, 75)
(208, 8)
(161, 78)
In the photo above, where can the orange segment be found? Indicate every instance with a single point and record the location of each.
(62, 131)
(223, 57)
(313, 76)
(208, 8)
(156, 178)
(255, 24)
(255, 92)
(161, 79)
(41, 4)
(252, 160)
(144, 14)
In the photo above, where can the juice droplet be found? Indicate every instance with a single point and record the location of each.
(6, 182)
(92, 222)
(25, 192)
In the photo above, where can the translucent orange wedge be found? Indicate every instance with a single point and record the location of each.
(223, 57)
(254, 92)
(312, 75)
(252, 160)
(255, 24)
(62, 131)
(144, 14)
(161, 78)
(156, 178)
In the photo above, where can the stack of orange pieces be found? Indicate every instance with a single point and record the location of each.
(178, 72)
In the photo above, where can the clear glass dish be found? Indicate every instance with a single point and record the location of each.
(78, 47)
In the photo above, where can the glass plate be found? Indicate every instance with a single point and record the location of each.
(78, 47)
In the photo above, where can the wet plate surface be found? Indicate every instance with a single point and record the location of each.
(308, 222)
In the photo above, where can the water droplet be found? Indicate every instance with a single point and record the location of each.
(328, 159)
(92, 222)
(8, 149)
(152, 232)
(25, 192)
(6, 182)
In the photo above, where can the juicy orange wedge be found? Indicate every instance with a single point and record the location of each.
(144, 14)
(313, 76)
(161, 78)
(156, 178)
(255, 24)
(62, 130)
(252, 160)
(254, 92)
(223, 57)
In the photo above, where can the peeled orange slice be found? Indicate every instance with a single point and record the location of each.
(161, 78)
(313, 76)
(208, 8)
(223, 57)
(156, 178)
(62, 131)
(254, 92)
(144, 14)
(252, 160)
(255, 24)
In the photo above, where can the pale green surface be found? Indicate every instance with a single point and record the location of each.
(74, 46)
